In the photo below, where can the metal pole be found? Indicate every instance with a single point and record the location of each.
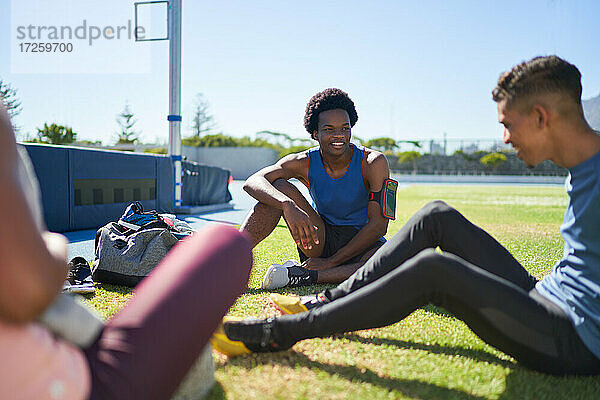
(175, 93)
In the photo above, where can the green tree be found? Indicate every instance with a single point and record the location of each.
(217, 140)
(202, 121)
(247, 141)
(282, 139)
(10, 99)
(381, 143)
(360, 140)
(292, 149)
(493, 160)
(156, 150)
(56, 134)
(127, 134)
(466, 156)
(283, 143)
(409, 157)
(415, 143)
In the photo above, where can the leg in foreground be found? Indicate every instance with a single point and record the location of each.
(438, 224)
(146, 350)
(521, 323)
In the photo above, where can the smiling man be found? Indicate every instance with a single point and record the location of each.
(344, 228)
(551, 325)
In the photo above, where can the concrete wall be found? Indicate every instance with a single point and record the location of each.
(241, 161)
(469, 164)
(79, 185)
(481, 179)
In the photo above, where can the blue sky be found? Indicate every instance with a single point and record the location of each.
(415, 69)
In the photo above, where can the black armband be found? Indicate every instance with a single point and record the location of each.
(386, 198)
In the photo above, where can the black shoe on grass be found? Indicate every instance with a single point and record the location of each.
(79, 277)
(236, 336)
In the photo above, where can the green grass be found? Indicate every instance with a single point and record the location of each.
(430, 354)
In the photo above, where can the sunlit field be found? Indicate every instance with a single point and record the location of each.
(430, 354)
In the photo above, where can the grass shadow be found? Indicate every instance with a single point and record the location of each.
(114, 288)
(479, 355)
(304, 290)
(438, 311)
(407, 387)
(520, 383)
(217, 392)
(298, 291)
(525, 384)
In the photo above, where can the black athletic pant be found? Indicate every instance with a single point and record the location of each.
(475, 278)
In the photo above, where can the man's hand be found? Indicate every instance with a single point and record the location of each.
(318, 264)
(301, 227)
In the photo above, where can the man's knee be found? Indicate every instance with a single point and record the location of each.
(425, 267)
(427, 256)
(442, 269)
(262, 209)
(439, 209)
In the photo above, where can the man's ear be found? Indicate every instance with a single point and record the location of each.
(542, 116)
(314, 135)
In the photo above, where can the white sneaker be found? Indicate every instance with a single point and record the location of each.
(290, 263)
(276, 276)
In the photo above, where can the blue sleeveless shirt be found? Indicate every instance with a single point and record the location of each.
(341, 201)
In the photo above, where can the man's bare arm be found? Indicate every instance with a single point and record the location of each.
(31, 275)
(260, 186)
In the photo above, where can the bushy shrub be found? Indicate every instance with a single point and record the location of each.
(156, 150)
(493, 160)
(217, 140)
(56, 134)
(408, 156)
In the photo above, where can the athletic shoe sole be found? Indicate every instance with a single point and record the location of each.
(290, 263)
(224, 345)
(287, 304)
(276, 277)
(80, 289)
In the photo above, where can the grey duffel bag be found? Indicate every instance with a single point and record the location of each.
(127, 258)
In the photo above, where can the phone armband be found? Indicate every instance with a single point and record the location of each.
(386, 198)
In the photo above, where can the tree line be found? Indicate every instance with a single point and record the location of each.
(127, 133)
(204, 124)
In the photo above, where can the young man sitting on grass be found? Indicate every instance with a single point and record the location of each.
(346, 228)
(551, 325)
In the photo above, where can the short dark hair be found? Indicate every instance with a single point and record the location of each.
(540, 75)
(328, 99)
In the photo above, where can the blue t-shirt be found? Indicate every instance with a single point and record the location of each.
(341, 201)
(574, 283)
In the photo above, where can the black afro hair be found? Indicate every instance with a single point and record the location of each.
(328, 99)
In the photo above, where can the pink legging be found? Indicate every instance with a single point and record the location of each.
(145, 351)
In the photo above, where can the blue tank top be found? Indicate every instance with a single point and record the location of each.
(341, 201)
